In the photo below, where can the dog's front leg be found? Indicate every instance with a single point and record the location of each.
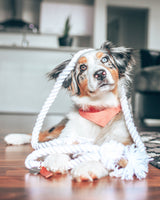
(57, 163)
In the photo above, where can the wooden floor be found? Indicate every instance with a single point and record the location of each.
(16, 182)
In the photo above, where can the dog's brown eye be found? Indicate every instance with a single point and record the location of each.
(83, 67)
(104, 60)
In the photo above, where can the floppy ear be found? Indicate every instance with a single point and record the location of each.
(107, 46)
(124, 60)
(123, 57)
(57, 70)
(69, 82)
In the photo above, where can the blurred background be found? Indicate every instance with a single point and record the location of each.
(36, 35)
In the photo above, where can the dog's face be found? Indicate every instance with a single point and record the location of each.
(96, 73)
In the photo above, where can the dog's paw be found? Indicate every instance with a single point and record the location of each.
(89, 171)
(57, 163)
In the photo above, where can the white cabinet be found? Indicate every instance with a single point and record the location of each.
(28, 40)
(23, 82)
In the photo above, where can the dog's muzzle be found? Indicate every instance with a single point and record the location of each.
(100, 75)
(100, 80)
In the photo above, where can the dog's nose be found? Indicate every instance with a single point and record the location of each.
(100, 74)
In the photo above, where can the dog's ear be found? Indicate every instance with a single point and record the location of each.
(124, 60)
(123, 57)
(57, 70)
(106, 46)
(69, 82)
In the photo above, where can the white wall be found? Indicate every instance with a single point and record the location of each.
(81, 18)
(100, 23)
(153, 26)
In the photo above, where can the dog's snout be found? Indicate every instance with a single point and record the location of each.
(100, 74)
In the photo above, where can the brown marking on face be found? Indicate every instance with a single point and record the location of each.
(115, 77)
(83, 86)
(99, 54)
(82, 60)
(72, 86)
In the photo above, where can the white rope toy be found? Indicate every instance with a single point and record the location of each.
(135, 154)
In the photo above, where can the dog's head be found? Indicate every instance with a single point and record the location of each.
(95, 78)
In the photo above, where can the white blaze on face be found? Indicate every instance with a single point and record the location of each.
(94, 65)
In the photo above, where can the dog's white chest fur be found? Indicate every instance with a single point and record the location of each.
(78, 126)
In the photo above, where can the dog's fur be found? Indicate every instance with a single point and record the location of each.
(94, 82)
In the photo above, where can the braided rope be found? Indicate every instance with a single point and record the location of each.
(129, 120)
(31, 160)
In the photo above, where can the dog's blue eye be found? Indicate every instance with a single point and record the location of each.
(104, 60)
(83, 67)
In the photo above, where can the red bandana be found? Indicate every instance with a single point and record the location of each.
(100, 117)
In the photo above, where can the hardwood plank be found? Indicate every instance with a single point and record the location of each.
(17, 183)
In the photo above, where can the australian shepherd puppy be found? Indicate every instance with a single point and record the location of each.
(97, 115)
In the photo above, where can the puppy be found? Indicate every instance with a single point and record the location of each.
(97, 115)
